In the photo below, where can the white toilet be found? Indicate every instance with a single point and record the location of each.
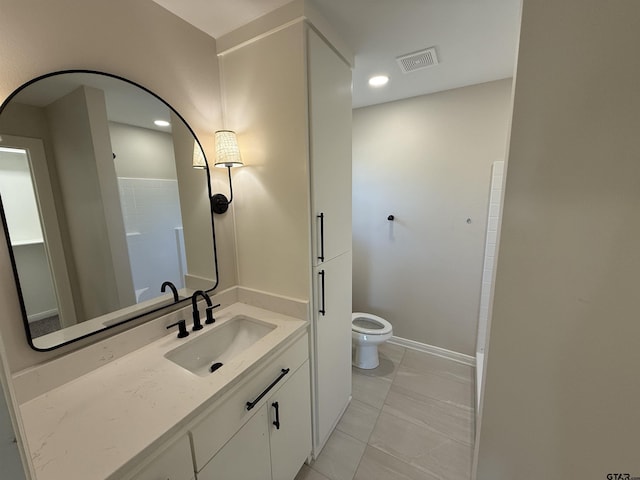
(367, 332)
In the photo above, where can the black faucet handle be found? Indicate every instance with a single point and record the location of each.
(182, 328)
(209, 311)
(197, 325)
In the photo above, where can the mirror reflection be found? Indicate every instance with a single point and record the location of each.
(103, 211)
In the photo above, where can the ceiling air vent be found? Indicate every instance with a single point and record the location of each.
(418, 60)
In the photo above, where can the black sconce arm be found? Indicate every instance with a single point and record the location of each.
(219, 203)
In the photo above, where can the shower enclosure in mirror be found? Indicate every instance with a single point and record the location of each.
(100, 205)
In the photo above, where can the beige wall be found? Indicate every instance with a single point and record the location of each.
(272, 190)
(427, 161)
(142, 152)
(198, 234)
(562, 384)
(135, 39)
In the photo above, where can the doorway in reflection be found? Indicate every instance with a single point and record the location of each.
(27, 240)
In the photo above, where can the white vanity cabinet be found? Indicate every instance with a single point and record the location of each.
(233, 442)
(172, 463)
(262, 450)
(246, 456)
(290, 439)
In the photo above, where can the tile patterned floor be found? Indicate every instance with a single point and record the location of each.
(410, 419)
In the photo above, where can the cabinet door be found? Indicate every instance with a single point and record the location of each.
(245, 456)
(9, 455)
(330, 149)
(174, 463)
(290, 425)
(332, 343)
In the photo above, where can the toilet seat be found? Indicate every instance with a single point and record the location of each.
(380, 325)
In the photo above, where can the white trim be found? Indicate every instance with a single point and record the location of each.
(433, 350)
(42, 315)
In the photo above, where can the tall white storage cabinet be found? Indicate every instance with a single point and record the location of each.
(329, 79)
(287, 91)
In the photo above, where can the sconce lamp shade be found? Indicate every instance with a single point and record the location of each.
(227, 151)
(198, 156)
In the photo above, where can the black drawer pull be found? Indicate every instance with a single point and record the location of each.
(283, 372)
(276, 422)
(321, 256)
(322, 310)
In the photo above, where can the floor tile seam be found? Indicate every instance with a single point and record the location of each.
(411, 464)
(397, 366)
(437, 373)
(374, 424)
(469, 456)
(376, 377)
(383, 400)
(444, 405)
(418, 423)
(469, 409)
(385, 378)
(427, 426)
(372, 406)
(450, 361)
(416, 467)
(361, 457)
(320, 473)
(435, 449)
(359, 460)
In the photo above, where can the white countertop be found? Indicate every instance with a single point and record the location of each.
(94, 425)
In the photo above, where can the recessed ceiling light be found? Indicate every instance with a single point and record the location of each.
(161, 123)
(378, 80)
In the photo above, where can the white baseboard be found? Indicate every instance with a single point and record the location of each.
(433, 350)
(42, 315)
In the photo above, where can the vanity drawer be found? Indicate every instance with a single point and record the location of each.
(230, 413)
(174, 463)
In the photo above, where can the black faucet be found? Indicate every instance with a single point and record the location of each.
(166, 284)
(194, 303)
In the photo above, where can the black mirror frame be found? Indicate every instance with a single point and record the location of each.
(6, 230)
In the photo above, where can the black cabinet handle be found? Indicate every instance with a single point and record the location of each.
(322, 310)
(283, 372)
(321, 256)
(277, 420)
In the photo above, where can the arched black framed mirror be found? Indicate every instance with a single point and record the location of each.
(100, 205)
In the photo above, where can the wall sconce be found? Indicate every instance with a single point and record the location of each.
(227, 155)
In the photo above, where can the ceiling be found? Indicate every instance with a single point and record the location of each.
(475, 40)
(125, 102)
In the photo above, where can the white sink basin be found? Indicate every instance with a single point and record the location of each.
(219, 345)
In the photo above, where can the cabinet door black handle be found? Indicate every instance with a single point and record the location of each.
(322, 310)
(283, 372)
(276, 422)
(321, 256)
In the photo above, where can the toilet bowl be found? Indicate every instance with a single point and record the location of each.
(367, 332)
